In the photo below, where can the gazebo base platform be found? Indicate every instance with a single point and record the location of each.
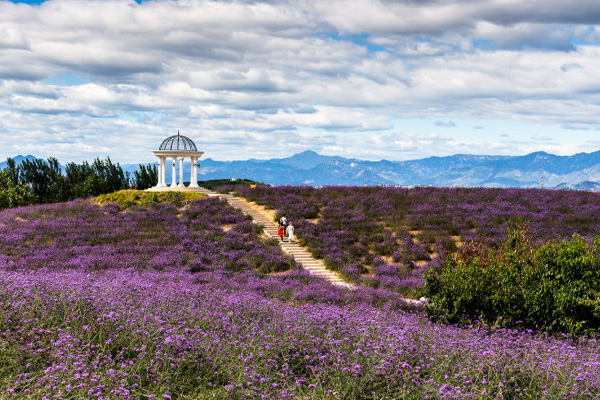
(178, 189)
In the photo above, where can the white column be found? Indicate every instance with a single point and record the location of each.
(158, 183)
(174, 174)
(163, 176)
(196, 169)
(161, 171)
(181, 184)
(193, 173)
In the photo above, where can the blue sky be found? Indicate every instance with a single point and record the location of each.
(371, 79)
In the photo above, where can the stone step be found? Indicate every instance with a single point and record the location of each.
(319, 267)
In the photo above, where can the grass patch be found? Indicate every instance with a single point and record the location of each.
(128, 198)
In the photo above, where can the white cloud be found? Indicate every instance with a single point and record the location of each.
(244, 75)
(541, 138)
(445, 124)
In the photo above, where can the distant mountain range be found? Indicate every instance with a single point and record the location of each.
(580, 171)
(18, 160)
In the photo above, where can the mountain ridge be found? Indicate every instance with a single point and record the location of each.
(579, 171)
(311, 168)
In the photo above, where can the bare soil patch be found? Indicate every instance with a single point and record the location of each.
(267, 211)
(457, 240)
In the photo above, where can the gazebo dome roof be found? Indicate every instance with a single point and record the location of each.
(179, 143)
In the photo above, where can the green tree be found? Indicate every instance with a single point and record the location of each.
(76, 176)
(44, 178)
(145, 177)
(13, 195)
(13, 171)
(110, 177)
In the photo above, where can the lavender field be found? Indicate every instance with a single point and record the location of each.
(161, 302)
(385, 237)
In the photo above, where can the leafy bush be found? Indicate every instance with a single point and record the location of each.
(553, 286)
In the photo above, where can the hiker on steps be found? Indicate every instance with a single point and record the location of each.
(283, 222)
(280, 232)
(290, 230)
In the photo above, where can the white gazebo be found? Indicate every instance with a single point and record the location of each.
(177, 147)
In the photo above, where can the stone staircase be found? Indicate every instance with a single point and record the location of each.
(299, 253)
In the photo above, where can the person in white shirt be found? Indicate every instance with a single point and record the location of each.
(290, 230)
(283, 222)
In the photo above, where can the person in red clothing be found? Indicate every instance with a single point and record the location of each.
(280, 232)
(284, 222)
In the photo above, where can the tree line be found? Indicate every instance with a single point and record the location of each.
(42, 181)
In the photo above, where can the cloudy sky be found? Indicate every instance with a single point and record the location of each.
(371, 79)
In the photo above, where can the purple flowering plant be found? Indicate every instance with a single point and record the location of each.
(161, 302)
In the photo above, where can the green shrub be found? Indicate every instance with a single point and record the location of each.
(553, 286)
